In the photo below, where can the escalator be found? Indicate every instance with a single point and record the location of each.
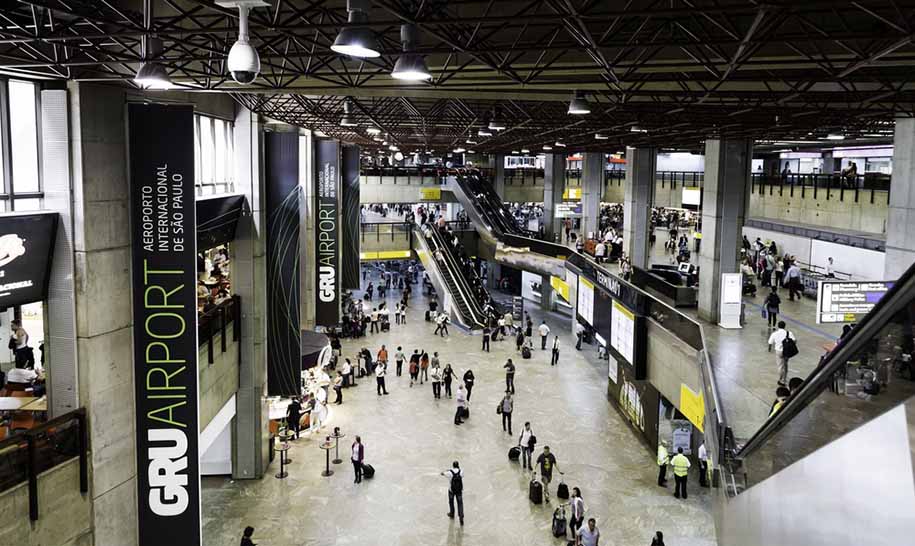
(838, 457)
(508, 243)
(449, 280)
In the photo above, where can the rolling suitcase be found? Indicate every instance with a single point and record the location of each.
(559, 522)
(562, 491)
(536, 491)
(514, 454)
(368, 471)
(525, 352)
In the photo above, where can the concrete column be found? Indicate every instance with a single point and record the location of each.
(252, 431)
(900, 244)
(592, 188)
(546, 293)
(772, 165)
(724, 204)
(498, 175)
(641, 167)
(493, 273)
(829, 163)
(554, 182)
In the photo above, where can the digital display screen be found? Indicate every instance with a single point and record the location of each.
(586, 300)
(26, 248)
(692, 196)
(622, 332)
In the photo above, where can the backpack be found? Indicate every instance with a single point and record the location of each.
(789, 347)
(457, 483)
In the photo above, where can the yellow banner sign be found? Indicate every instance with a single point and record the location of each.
(692, 405)
(560, 286)
(430, 194)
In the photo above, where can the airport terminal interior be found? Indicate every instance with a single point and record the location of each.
(457, 273)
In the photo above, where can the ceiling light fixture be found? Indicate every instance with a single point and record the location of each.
(514, 152)
(599, 136)
(495, 124)
(559, 144)
(579, 105)
(357, 40)
(373, 130)
(410, 66)
(393, 148)
(547, 147)
(637, 129)
(459, 150)
(468, 141)
(484, 132)
(151, 74)
(835, 136)
(525, 151)
(346, 120)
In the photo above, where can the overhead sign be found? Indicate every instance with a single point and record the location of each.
(848, 301)
(430, 194)
(692, 406)
(327, 233)
(26, 248)
(163, 243)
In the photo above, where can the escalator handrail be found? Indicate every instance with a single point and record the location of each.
(847, 348)
(450, 266)
(444, 270)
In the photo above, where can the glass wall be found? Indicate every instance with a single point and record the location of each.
(213, 155)
(20, 156)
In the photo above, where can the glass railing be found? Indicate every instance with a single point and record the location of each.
(386, 231)
(867, 373)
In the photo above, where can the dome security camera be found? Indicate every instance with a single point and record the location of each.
(244, 63)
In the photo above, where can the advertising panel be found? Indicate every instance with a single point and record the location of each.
(848, 301)
(327, 233)
(586, 300)
(26, 249)
(349, 189)
(638, 403)
(164, 255)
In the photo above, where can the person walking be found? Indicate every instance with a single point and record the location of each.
(509, 376)
(577, 511)
(555, 358)
(793, 281)
(423, 367)
(681, 469)
(487, 332)
(443, 324)
(436, 375)
(544, 331)
(347, 369)
(589, 535)
(658, 539)
(528, 328)
(383, 355)
(399, 357)
(380, 370)
(526, 442)
(771, 306)
(338, 388)
(318, 414)
(519, 339)
(663, 459)
(703, 466)
(455, 490)
(461, 399)
(414, 366)
(579, 334)
(468, 382)
(357, 457)
(374, 324)
(246, 537)
(777, 342)
(294, 416)
(547, 463)
(505, 407)
(447, 377)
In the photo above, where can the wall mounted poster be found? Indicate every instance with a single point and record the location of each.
(622, 331)
(586, 300)
(164, 254)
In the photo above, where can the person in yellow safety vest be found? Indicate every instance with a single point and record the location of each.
(663, 459)
(681, 468)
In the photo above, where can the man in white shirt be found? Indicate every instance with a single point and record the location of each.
(380, 370)
(703, 466)
(544, 331)
(776, 341)
(793, 280)
(461, 399)
(21, 375)
(455, 490)
(830, 268)
(526, 447)
(600, 251)
(589, 535)
(555, 357)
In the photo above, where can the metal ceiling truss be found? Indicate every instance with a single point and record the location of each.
(676, 71)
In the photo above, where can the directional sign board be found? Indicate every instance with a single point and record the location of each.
(848, 301)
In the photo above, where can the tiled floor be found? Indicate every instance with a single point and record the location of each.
(410, 439)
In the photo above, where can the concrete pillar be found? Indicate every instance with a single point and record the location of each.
(493, 273)
(554, 181)
(830, 163)
(546, 293)
(252, 431)
(772, 165)
(641, 167)
(724, 204)
(498, 175)
(592, 188)
(900, 244)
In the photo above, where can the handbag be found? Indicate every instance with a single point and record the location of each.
(764, 313)
(499, 408)
(789, 347)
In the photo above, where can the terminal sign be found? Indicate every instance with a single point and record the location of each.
(846, 301)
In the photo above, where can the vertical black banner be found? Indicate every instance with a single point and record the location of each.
(350, 217)
(327, 233)
(161, 139)
(284, 368)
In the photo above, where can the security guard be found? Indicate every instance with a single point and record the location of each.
(681, 468)
(663, 459)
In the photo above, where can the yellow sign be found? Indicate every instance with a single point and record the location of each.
(571, 194)
(692, 405)
(586, 282)
(560, 286)
(430, 194)
(385, 255)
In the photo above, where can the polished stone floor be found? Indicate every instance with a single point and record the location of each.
(410, 439)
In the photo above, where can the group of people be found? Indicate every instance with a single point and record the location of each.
(762, 261)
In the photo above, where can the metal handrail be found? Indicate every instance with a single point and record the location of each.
(451, 267)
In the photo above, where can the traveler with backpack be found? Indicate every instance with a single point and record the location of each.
(455, 490)
(771, 306)
(505, 408)
(785, 346)
(526, 442)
